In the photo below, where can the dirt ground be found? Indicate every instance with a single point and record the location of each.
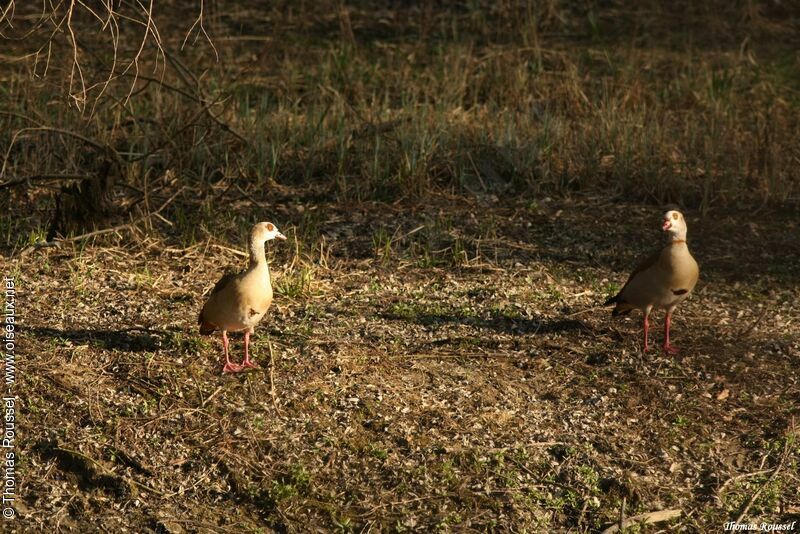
(436, 366)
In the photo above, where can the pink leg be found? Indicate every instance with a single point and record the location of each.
(247, 362)
(646, 329)
(668, 348)
(229, 367)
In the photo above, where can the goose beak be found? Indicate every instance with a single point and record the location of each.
(280, 236)
(667, 225)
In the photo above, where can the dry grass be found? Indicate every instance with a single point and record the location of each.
(699, 109)
(460, 187)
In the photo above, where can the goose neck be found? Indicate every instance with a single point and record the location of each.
(258, 256)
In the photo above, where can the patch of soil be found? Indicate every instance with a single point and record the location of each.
(435, 366)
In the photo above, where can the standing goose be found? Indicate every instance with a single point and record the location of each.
(662, 281)
(239, 301)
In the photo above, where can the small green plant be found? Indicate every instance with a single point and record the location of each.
(460, 256)
(589, 477)
(281, 491)
(289, 485)
(379, 452)
(296, 283)
(186, 227)
(258, 423)
(37, 235)
(189, 345)
(610, 289)
(404, 310)
(382, 243)
(343, 524)
(680, 421)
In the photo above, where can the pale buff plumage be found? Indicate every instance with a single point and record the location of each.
(663, 280)
(238, 302)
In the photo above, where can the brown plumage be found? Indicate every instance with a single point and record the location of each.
(207, 328)
(238, 302)
(662, 281)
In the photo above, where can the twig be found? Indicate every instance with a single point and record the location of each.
(89, 141)
(761, 488)
(80, 101)
(203, 405)
(731, 480)
(7, 13)
(113, 26)
(185, 74)
(231, 250)
(583, 512)
(400, 238)
(148, 30)
(199, 20)
(581, 312)
(752, 326)
(37, 177)
(648, 518)
(408, 501)
(272, 377)
(128, 226)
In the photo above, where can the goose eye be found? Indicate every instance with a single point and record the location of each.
(270, 227)
(675, 216)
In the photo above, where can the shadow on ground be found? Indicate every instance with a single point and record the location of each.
(125, 339)
(496, 322)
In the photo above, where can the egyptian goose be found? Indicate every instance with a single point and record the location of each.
(662, 281)
(239, 301)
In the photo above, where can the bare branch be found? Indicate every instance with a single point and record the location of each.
(8, 13)
(97, 144)
(199, 21)
(76, 65)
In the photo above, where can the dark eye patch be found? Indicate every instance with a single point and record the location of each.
(270, 227)
(675, 216)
